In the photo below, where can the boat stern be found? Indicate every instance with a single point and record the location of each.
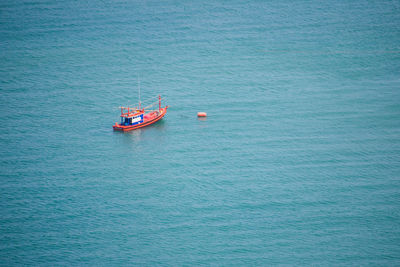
(118, 127)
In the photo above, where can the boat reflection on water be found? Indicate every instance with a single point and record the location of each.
(150, 133)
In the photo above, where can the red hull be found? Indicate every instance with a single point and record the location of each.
(123, 128)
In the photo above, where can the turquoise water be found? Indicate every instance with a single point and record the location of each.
(298, 162)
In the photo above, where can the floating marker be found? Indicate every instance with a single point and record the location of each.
(201, 114)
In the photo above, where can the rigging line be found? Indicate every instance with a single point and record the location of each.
(151, 98)
(149, 106)
(162, 98)
(148, 100)
(154, 103)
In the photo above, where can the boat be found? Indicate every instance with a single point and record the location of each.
(135, 118)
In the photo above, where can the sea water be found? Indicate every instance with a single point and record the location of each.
(297, 163)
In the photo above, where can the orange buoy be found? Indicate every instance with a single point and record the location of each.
(201, 114)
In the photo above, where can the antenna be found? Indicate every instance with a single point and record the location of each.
(139, 91)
